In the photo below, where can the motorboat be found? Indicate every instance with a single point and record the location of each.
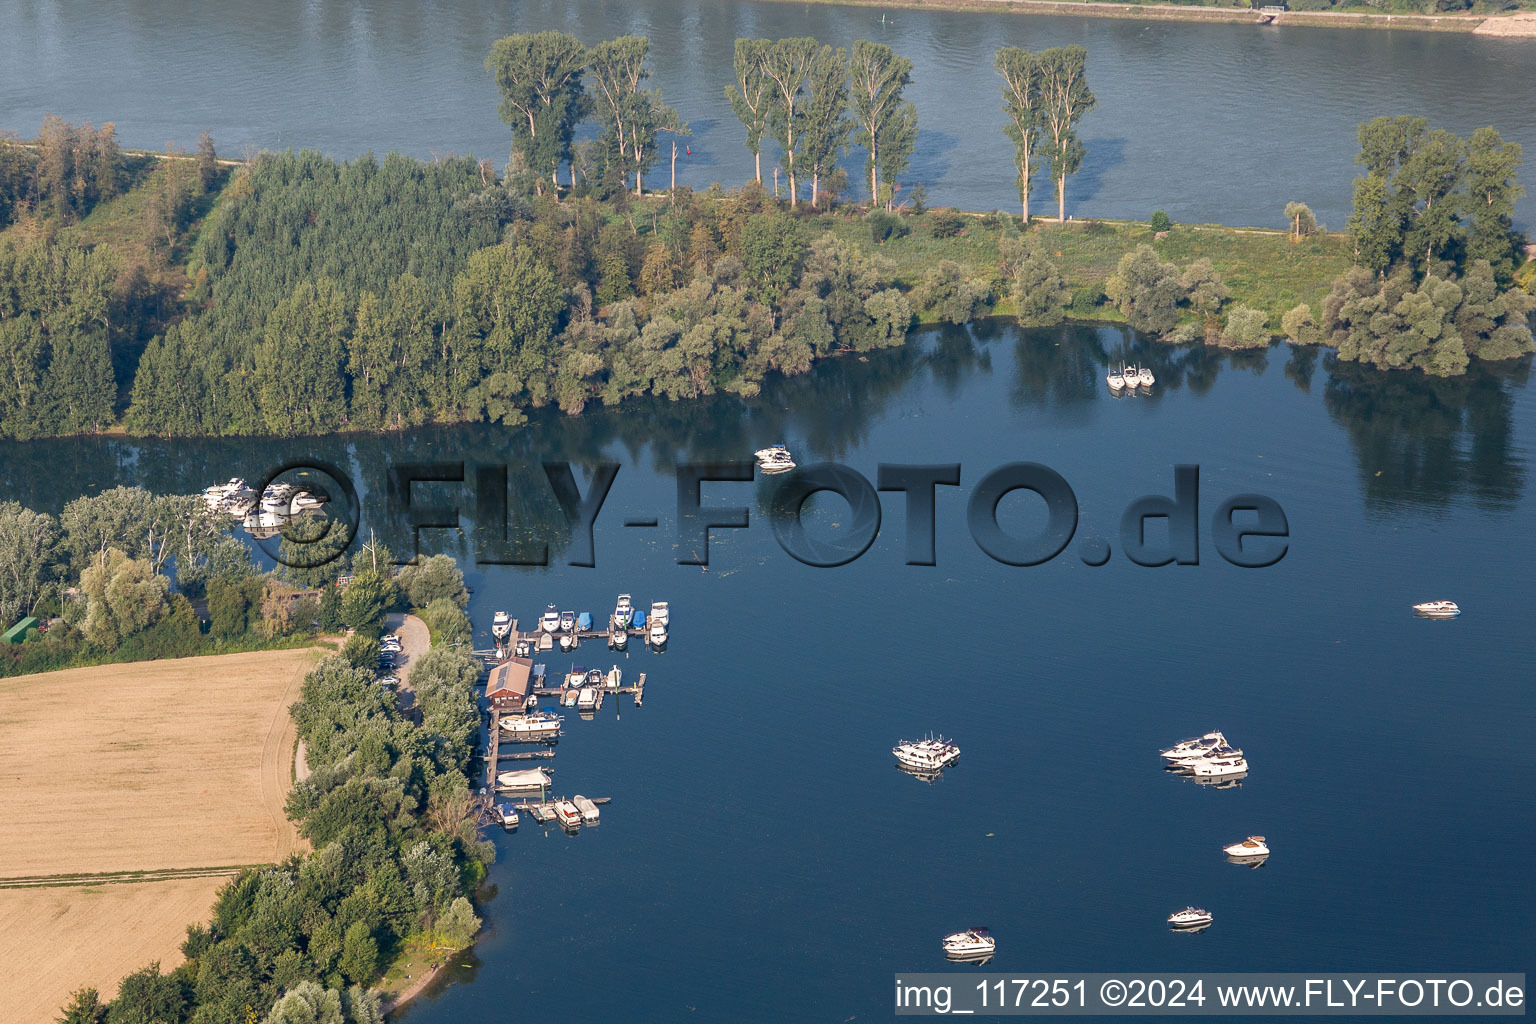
(1197, 745)
(1131, 375)
(306, 501)
(619, 638)
(1116, 381)
(639, 620)
(507, 815)
(1185, 762)
(567, 813)
(530, 778)
(567, 621)
(971, 942)
(658, 634)
(1190, 917)
(1437, 609)
(1144, 377)
(277, 498)
(584, 621)
(660, 614)
(614, 679)
(595, 678)
(774, 459)
(1218, 767)
(588, 809)
(586, 699)
(623, 612)
(541, 725)
(576, 676)
(501, 626)
(550, 620)
(929, 755)
(567, 641)
(568, 697)
(1253, 846)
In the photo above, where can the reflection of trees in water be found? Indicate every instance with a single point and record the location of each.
(1429, 439)
(1423, 440)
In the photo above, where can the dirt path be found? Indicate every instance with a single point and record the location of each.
(415, 638)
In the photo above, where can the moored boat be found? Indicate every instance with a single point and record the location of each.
(501, 626)
(1115, 380)
(541, 725)
(586, 699)
(1253, 846)
(550, 620)
(1190, 917)
(1437, 609)
(928, 755)
(567, 621)
(623, 612)
(531, 778)
(1195, 746)
(588, 809)
(584, 621)
(567, 813)
(1144, 377)
(971, 942)
(1218, 767)
(660, 613)
(507, 815)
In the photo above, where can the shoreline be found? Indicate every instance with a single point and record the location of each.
(1514, 25)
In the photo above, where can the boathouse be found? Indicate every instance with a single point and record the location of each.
(507, 687)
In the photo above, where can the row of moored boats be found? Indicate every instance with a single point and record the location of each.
(567, 627)
(277, 503)
(1206, 757)
(1129, 377)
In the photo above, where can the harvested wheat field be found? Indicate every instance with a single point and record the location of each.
(56, 940)
(148, 766)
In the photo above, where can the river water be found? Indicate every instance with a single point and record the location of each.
(1212, 123)
(763, 860)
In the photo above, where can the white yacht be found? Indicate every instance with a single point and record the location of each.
(586, 699)
(971, 942)
(550, 620)
(567, 813)
(567, 621)
(531, 778)
(774, 459)
(306, 501)
(507, 815)
(658, 634)
(1130, 375)
(588, 809)
(1215, 753)
(1190, 917)
(276, 499)
(929, 755)
(1144, 377)
(541, 725)
(1218, 767)
(619, 638)
(568, 697)
(1253, 846)
(1116, 381)
(623, 612)
(1437, 609)
(1198, 745)
(660, 615)
(501, 626)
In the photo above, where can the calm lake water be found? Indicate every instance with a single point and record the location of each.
(763, 859)
(1213, 123)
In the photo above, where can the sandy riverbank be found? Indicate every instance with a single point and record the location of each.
(1521, 24)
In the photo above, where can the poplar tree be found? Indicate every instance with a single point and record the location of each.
(787, 63)
(1491, 195)
(827, 126)
(1020, 71)
(751, 95)
(542, 100)
(886, 123)
(1065, 98)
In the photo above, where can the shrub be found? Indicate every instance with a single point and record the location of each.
(1300, 327)
(1160, 221)
(437, 576)
(884, 225)
(953, 296)
(360, 651)
(446, 621)
(945, 223)
(1246, 328)
(1146, 290)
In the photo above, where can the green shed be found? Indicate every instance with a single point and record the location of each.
(16, 632)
